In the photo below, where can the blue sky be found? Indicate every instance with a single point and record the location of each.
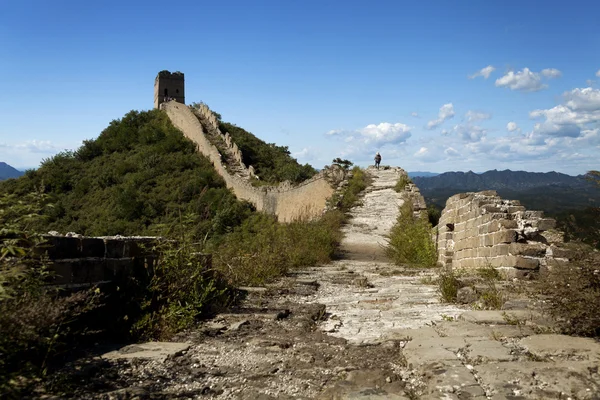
(432, 85)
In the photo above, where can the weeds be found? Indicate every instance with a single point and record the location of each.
(410, 240)
(349, 197)
(402, 182)
(448, 285)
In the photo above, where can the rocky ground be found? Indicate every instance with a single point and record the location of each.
(357, 328)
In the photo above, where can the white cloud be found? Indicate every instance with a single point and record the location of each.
(446, 112)
(551, 73)
(598, 73)
(414, 114)
(470, 133)
(306, 154)
(385, 132)
(30, 153)
(580, 111)
(334, 132)
(525, 81)
(451, 152)
(512, 126)
(485, 72)
(477, 116)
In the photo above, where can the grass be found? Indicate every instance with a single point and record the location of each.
(402, 182)
(410, 240)
(448, 285)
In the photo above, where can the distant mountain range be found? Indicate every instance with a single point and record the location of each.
(421, 173)
(550, 191)
(6, 171)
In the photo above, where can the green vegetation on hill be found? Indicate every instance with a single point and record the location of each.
(272, 163)
(137, 178)
(141, 177)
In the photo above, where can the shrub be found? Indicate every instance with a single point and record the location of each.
(410, 240)
(402, 182)
(574, 294)
(448, 285)
(262, 249)
(348, 198)
(181, 289)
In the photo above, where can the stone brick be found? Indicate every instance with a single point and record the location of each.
(514, 209)
(561, 252)
(115, 248)
(544, 224)
(508, 224)
(493, 226)
(506, 236)
(528, 249)
(489, 239)
(502, 249)
(92, 247)
(527, 263)
(526, 274)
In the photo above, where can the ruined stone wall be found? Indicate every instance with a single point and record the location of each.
(288, 202)
(79, 260)
(480, 229)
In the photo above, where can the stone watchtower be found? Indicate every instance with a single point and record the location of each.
(169, 86)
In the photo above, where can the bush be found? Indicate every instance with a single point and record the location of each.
(402, 182)
(36, 323)
(574, 294)
(448, 285)
(181, 290)
(410, 240)
(348, 198)
(262, 249)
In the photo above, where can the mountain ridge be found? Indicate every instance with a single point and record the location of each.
(7, 171)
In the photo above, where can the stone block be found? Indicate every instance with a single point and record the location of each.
(493, 226)
(544, 224)
(115, 248)
(561, 252)
(503, 261)
(517, 273)
(508, 224)
(59, 247)
(556, 262)
(505, 236)
(92, 247)
(501, 249)
(488, 240)
(527, 263)
(528, 249)
(533, 214)
(515, 208)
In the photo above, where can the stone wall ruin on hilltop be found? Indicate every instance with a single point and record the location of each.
(481, 229)
(288, 202)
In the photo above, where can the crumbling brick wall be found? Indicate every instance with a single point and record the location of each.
(481, 229)
(79, 260)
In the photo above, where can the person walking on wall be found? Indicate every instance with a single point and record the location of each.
(377, 160)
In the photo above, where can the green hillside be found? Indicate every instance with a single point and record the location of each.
(139, 177)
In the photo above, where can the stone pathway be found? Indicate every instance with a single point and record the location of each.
(368, 299)
(450, 353)
(358, 328)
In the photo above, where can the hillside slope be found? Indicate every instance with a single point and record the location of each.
(139, 177)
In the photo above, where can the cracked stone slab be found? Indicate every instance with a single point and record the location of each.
(495, 317)
(488, 350)
(159, 351)
(562, 346)
(540, 380)
(444, 378)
